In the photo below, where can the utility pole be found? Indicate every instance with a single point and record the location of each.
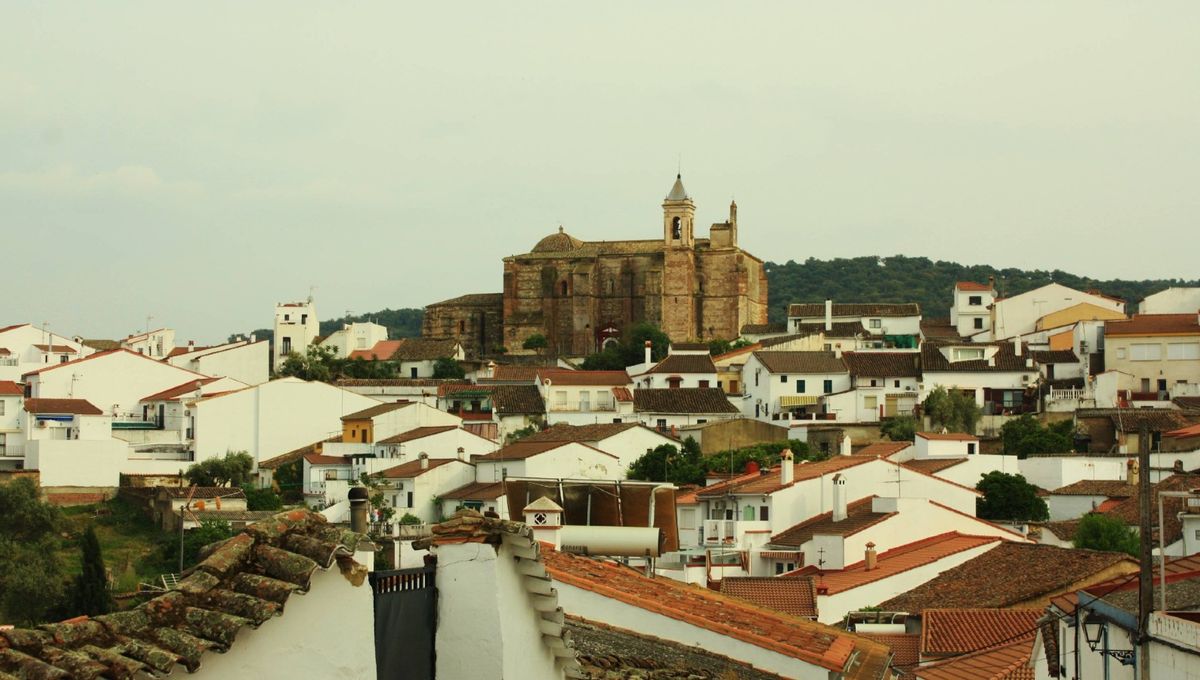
(1146, 561)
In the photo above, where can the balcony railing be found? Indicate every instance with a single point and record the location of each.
(729, 531)
(12, 451)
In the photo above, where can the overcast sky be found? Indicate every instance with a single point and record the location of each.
(200, 163)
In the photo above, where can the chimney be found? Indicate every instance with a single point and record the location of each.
(462, 453)
(424, 458)
(491, 369)
(1132, 475)
(839, 497)
(1017, 345)
(992, 284)
(191, 345)
(358, 509)
(252, 337)
(828, 315)
(869, 558)
(649, 346)
(787, 470)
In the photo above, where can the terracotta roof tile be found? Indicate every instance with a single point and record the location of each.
(859, 516)
(1112, 488)
(243, 581)
(622, 394)
(382, 351)
(79, 407)
(321, 459)
(413, 468)
(692, 400)
(800, 362)
(932, 466)
(906, 648)
(476, 491)
(1127, 510)
(563, 432)
(882, 449)
(884, 364)
(1187, 403)
(202, 492)
(559, 376)
(424, 349)
(948, 436)
(794, 596)
(763, 328)
(986, 581)
(1004, 361)
(517, 400)
(1184, 432)
(899, 560)
(1006, 662)
(186, 389)
(950, 632)
(685, 363)
(521, 449)
(855, 309)
(808, 641)
(1054, 356)
(417, 433)
(768, 481)
(9, 388)
(296, 454)
(1154, 324)
(837, 329)
(377, 410)
(972, 286)
(57, 349)
(522, 373)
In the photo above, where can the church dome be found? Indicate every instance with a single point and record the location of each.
(557, 242)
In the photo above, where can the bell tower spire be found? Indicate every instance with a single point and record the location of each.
(679, 214)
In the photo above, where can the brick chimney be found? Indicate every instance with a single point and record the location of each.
(870, 557)
(839, 497)
(787, 470)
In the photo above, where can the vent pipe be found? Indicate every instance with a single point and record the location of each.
(787, 470)
(869, 560)
(828, 315)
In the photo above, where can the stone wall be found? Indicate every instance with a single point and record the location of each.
(475, 321)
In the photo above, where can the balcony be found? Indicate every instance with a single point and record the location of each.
(730, 531)
(12, 451)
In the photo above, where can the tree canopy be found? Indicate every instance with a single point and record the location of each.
(1009, 497)
(448, 368)
(535, 341)
(32, 583)
(899, 429)
(1025, 435)
(232, 470)
(1104, 532)
(322, 363)
(687, 465)
(630, 350)
(953, 410)
(90, 595)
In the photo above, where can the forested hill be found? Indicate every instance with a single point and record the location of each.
(919, 279)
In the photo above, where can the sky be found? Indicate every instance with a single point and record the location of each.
(199, 162)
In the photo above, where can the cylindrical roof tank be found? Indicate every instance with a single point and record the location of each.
(611, 541)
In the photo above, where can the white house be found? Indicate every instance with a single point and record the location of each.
(945, 445)
(69, 442)
(168, 408)
(1171, 301)
(789, 385)
(24, 348)
(1018, 315)
(888, 325)
(626, 441)
(686, 365)
(555, 460)
(971, 312)
(360, 335)
(584, 397)
(247, 361)
(883, 384)
(437, 441)
(668, 409)
(997, 375)
(270, 419)
(12, 434)
(417, 357)
(156, 344)
(296, 327)
(414, 487)
(114, 380)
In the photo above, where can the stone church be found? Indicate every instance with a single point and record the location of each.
(583, 294)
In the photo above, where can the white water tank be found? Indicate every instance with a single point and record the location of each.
(611, 541)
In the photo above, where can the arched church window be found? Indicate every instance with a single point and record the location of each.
(676, 228)
(612, 286)
(562, 288)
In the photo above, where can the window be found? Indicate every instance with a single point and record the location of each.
(676, 228)
(362, 343)
(1183, 351)
(876, 323)
(779, 565)
(604, 400)
(412, 372)
(873, 382)
(733, 387)
(560, 398)
(703, 383)
(827, 386)
(970, 448)
(764, 513)
(783, 378)
(462, 327)
(303, 318)
(1120, 352)
(286, 347)
(687, 519)
(287, 317)
(701, 421)
(968, 353)
(975, 300)
(1145, 352)
(756, 377)
(562, 289)
(897, 384)
(585, 401)
(799, 387)
(3, 402)
(409, 500)
(978, 322)
(662, 423)
(674, 382)
(870, 403)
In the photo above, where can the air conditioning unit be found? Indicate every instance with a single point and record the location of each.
(42, 424)
(909, 388)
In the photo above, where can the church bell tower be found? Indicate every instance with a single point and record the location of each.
(679, 214)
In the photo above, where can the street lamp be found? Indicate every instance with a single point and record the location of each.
(1095, 630)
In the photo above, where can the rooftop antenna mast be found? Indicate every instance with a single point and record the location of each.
(149, 318)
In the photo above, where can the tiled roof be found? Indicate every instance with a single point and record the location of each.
(882, 449)
(9, 388)
(855, 309)
(394, 382)
(1177, 568)
(462, 390)
(563, 432)
(1184, 432)
(932, 466)
(476, 491)
(296, 454)
(697, 400)
(425, 349)
(382, 351)
(795, 596)
(972, 286)
(837, 329)
(763, 328)
(884, 364)
(808, 641)
(79, 407)
(517, 399)
(948, 436)
(243, 581)
(186, 389)
(1112, 488)
(1187, 403)
(521, 449)
(987, 580)
(376, 410)
(417, 433)
(906, 648)
(473, 299)
(801, 362)
(101, 355)
(413, 468)
(101, 345)
(1054, 356)
(1006, 662)
(859, 516)
(939, 328)
(321, 459)
(56, 349)
(229, 515)
(1005, 359)
(1154, 324)
(899, 560)
(560, 376)
(768, 481)
(1063, 530)
(201, 492)
(1127, 510)
(950, 632)
(685, 363)
(622, 394)
(514, 372)
(1156, 419)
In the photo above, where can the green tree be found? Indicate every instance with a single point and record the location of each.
(288, 478)
(1009, 497)
(408, 519)
(232, 470)
(1025, 435)
(23, 514)
(210, 531)
(536, 341)
(668, 463)
(899, 429)
(1104, 532)
(317, 363)
(630, 350)
(262, 499)
(32, 583)
(91, 596)
(448, 368)
(954, 410)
